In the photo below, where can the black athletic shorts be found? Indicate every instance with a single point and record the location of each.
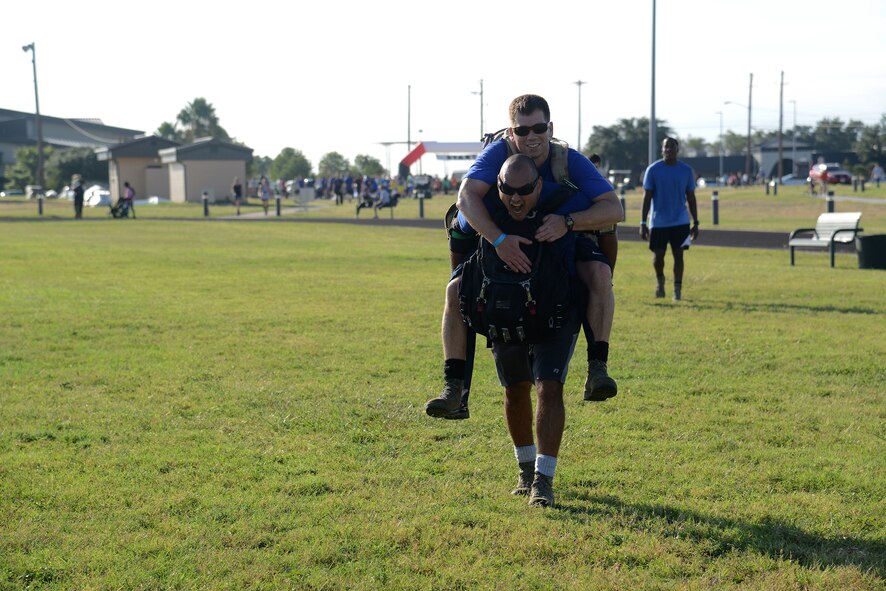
(543, 361)
(587, 249)
(659, 238)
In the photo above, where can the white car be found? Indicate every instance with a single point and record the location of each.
(97, 195)
(789, 179)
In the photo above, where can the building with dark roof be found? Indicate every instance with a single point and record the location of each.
(19, 130)
(137, 161)
(206, 167)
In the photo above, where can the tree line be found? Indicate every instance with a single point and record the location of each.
(624, 145)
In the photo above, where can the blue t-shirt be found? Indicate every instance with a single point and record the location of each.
(582, 173)
(669, 184)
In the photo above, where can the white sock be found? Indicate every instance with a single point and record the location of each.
(546, 465)
(525, 453)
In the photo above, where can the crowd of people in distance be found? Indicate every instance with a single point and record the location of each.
(350, 187)
(369, 192)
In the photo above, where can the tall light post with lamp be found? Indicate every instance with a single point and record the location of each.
(38, 122)
(419, 160)
(579, 84)
(653, 124)
(719, 180)
(747, 162)
(481, 108)
(794, 141)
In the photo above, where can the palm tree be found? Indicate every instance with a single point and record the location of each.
(198, 119)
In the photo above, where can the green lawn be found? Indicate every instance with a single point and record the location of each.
(239, 406)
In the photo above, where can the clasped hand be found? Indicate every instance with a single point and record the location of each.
(553, 227)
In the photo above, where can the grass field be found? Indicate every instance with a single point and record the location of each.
(747, 209)
(239, 406)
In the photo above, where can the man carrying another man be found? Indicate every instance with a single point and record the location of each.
(530, 134)
(545, 360)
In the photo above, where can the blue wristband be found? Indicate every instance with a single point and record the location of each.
(499, 240)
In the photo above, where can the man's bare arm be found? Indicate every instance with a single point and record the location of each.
(647, 202)
(604, 212)
(693, 211)
(693, 208)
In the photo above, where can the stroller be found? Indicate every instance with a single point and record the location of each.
(119, 209)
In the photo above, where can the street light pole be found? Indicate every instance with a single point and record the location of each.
(720, 113)
(794, 141)
(481, 107)
(747, 164)
(38, 121)
(579, 83)
(747, 161)
(419, 160)
(652, 123)
(780, 126)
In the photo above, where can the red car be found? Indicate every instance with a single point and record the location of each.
(831, 173)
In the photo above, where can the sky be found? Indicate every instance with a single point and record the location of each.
(347, 76)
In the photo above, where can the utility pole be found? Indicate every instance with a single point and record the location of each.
(780, 134)
(408, 118)
(38, 122)
(794, 141)
(653, 150)
(747, 163)
(481, 108)
(579, 83)
(720, 178)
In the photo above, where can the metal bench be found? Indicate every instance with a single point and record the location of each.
(369, 204)
(829, 229)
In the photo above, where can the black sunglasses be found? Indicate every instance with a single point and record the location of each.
(538, 128)
(524, 190)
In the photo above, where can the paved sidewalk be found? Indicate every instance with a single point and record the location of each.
(707, 236)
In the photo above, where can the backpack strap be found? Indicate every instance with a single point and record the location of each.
(496, 135)
(560, 163)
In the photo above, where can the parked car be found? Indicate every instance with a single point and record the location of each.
(619, 178)
(703, 182)
(97, 195)
(831, 173)
(12, 193)
(790, 179)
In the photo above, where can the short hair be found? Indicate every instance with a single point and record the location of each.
(519, 163)
(527, 104)
(595, 159)
(673, 139)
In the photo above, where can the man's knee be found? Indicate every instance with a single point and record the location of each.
(452, 293)
(518, 392)
(550, 392)
(595, 275)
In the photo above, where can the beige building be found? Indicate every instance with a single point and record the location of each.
(208, 166)
(138, 162)
(157, 167)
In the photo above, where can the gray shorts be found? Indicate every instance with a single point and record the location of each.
(543, 361)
